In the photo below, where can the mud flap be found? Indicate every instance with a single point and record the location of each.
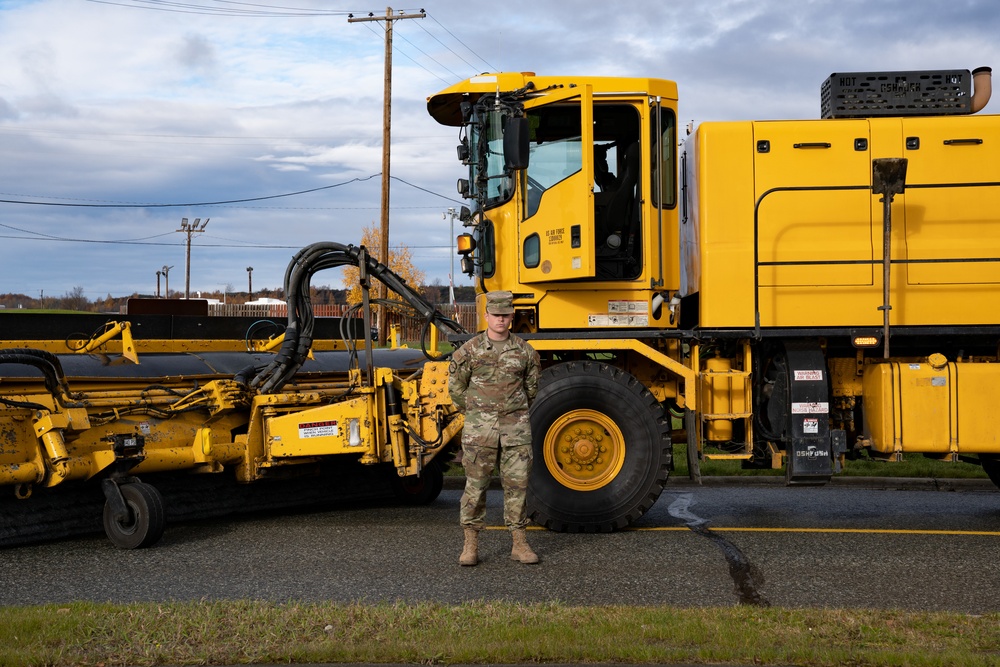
(814, 460)
(813, 449)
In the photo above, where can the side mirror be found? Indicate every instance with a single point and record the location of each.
(516, 143)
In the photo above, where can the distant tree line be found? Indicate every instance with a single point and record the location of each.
(76, 299)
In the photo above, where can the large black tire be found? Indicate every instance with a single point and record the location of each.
(602, 450)
(421, 489)
(991, 466)
(146, 521)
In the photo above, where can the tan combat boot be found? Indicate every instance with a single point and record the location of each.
(470, 552)
(521, 551)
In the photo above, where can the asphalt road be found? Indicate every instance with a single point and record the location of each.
(718, 544)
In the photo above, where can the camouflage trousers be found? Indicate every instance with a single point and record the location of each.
(515, 465)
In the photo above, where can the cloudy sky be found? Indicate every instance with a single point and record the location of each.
(118, 118)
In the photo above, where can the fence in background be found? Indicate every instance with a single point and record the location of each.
(409, 327)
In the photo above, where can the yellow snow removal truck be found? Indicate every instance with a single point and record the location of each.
(244, 400)
(796, 290)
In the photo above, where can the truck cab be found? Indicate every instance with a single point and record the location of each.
(586, 190)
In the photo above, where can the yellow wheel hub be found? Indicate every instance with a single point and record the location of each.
(584, 450)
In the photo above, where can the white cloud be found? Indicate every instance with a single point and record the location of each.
(107, 103)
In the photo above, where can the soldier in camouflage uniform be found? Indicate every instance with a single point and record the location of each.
(493, 378)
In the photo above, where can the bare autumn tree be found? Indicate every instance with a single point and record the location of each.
(400, 261)
(75, 299)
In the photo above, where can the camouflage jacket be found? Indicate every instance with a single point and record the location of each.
(493, 383)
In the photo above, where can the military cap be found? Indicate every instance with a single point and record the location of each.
(500, 303)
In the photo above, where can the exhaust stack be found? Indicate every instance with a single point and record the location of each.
(982, 82)
(905, 93)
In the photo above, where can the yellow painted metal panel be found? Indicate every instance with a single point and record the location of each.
(917, 407)
(723, 212)
(926, 419)
(911, 407)
(878, 412)
(858, 306)
(563, 227)
(978, 428)
(323, 430)
(956, 222)
(444, 105)
(816, 224)
(583, 307)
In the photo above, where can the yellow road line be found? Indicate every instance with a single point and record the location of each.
(869, 531)
(864, 531)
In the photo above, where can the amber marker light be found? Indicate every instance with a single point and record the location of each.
(465, 244)
(866, 341)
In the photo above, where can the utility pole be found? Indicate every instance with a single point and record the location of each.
(190, 229)
(249, 283)
(158, 274)
(451, 276)
(166, 278)
(386, 115)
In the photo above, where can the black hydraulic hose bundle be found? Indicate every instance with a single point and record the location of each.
(299, 332)
(48, 364)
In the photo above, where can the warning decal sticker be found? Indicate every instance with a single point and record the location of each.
(602, 320)
(820, 408)
(808, 376)
(622, 313)
(627, 306)
(319, 429)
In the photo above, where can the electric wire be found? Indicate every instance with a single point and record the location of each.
(259, 10)
(262, 11)
(455, 37)
(430, 57)
(193, 204)
(113, 204)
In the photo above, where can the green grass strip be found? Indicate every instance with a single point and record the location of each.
(244, 632)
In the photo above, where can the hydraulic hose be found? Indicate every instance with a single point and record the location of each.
(299, 333)
(46, 362)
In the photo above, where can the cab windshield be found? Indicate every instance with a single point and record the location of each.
(491, 183)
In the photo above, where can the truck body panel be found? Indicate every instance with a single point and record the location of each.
(814, 249)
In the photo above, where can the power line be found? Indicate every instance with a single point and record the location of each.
(488, 65)
(428, 56)
(396, 49)
(250, 246)
(436, 194)
(60, 238)
(112, 204)
(40, 236)
(191, 204)
(21, 130)
(432, 58)
(258, 10)
(261, 11)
